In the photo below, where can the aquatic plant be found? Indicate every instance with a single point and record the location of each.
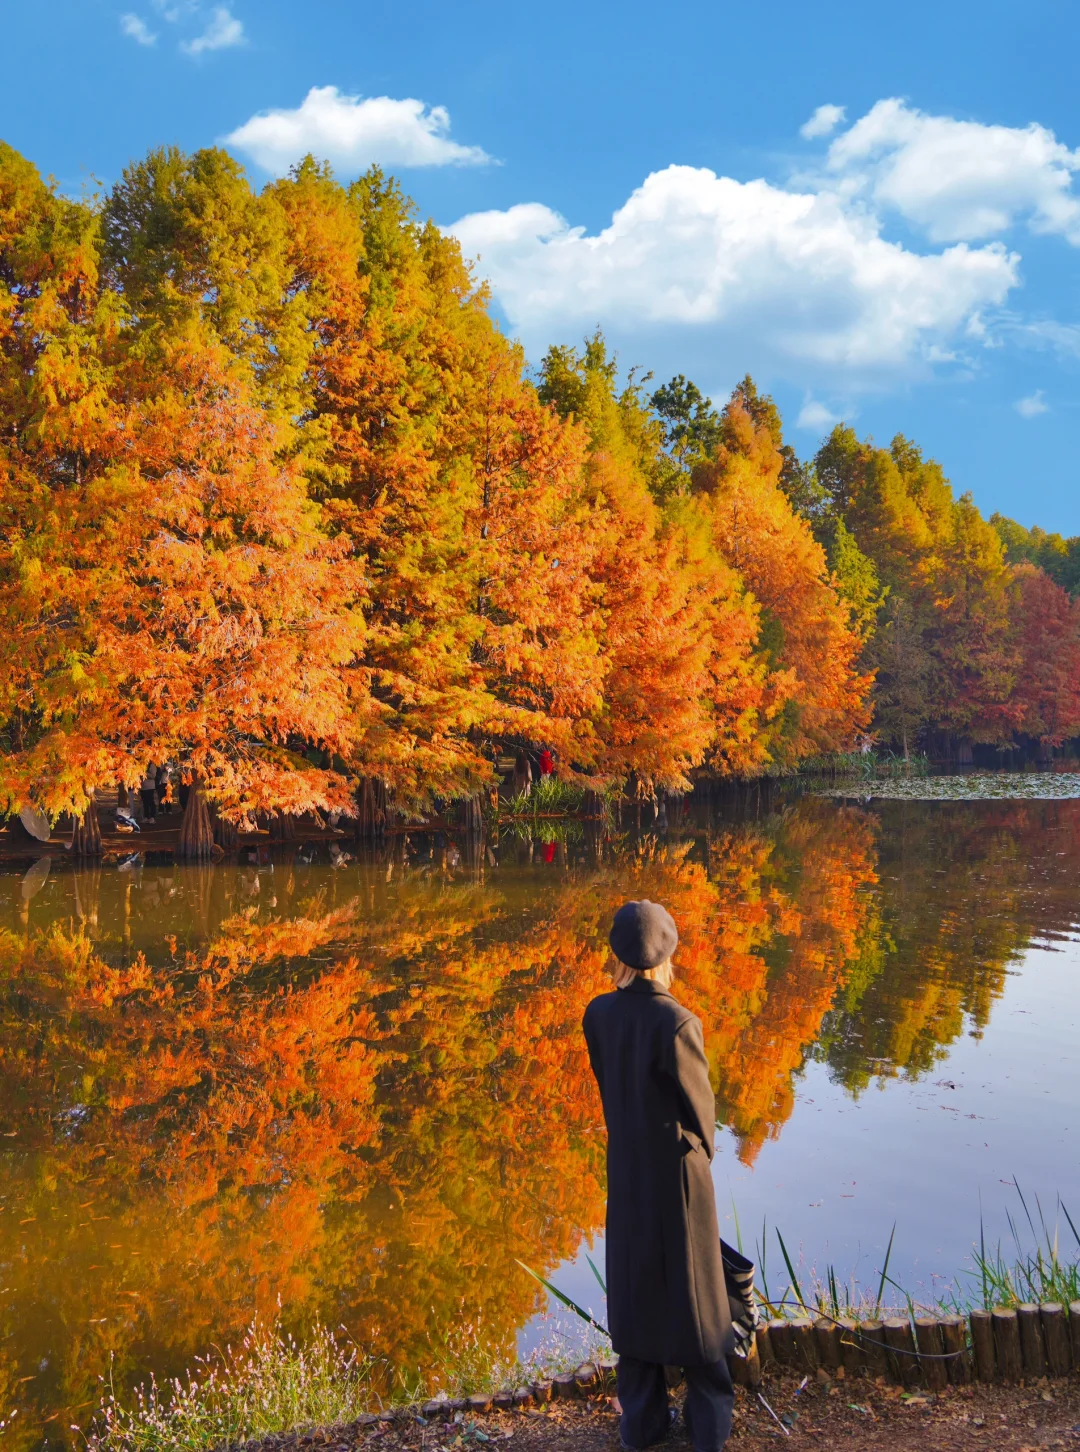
(866, 765)
(1029, 1275)
(1037, 1273)
(968, 787)
(548, 795)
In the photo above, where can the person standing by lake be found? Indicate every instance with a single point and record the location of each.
(667, 1300)
(148, 792)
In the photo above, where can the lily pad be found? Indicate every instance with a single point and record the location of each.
(970, 787)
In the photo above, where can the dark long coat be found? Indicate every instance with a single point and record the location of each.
(667, 1301)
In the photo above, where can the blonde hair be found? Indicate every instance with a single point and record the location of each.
(623, 974)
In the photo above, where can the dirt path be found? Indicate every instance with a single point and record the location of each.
(856, 1416)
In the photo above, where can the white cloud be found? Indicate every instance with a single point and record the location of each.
(1032, 406)
(223, 31)
(353, 133)
(801, 281)
(957, 180)
(823, 122)
(1043, 334)
(137, 29)
(816, 417)
(174, 10)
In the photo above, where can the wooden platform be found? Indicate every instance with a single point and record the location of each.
(162, 835)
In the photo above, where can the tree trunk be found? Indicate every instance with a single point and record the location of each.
(86, 834)
(226, 834)
(471, 816)
(122, 795)
(282, 827)
(371, 801)
(196, 832)
(87, 884)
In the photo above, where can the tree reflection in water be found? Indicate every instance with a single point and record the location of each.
(362, 1093)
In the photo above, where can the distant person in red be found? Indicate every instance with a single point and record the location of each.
(548, 852)
(547, 762)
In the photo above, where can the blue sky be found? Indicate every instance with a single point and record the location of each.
(870, 207)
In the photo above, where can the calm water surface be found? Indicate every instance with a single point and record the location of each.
(360, 1092)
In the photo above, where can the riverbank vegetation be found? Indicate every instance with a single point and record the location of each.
(281, 505)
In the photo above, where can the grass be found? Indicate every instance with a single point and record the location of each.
(1034, 1270)
(548, 797)
(270, 1384)
(275, 1384)
(865, 766)
(1038, 1274)
(543, 829)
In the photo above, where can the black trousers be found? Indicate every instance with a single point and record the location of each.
(149, 802)
(643, 1396)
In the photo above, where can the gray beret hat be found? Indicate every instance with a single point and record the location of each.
(643, 934)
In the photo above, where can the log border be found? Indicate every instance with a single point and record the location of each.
(1010, 1344)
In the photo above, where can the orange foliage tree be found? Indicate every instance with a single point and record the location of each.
(166, 592)
(679, 678)
(1046, 695)
(816, 694)
(459, 492)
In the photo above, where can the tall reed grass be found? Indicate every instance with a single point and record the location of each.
(548, 796)
(1034, 1268)
(865, 765)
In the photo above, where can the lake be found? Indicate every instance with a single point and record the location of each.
(359, 1091)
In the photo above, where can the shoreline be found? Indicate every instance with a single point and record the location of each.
(848, 1415)
(849, 1374)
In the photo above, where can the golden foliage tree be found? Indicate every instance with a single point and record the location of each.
(815, 691)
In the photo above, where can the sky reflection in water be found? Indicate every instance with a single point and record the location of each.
(363, 1091)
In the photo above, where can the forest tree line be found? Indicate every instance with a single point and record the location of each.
(280, 503)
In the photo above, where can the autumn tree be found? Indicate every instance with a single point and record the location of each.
(1057, 556)
(165, 589)
(1046, 693)
(455, 487)
(944, 648)
(679, 680)
(816, 693)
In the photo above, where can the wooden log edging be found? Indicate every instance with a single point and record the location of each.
(1007, 1345)
(1025, 1343)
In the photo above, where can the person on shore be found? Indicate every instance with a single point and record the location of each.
(148, 792)
(667, 1299)
(523, 775)
(162, 788)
